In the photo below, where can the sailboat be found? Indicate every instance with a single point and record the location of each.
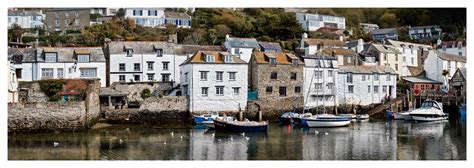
(324, 120)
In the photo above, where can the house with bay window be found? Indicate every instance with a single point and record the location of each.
(364, 85)
(320, 80)
(214, 81)
(315, 21)
(158, 17)
(58, 62)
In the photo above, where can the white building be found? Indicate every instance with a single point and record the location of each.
(320, 78)
(241, 47)
(410, 53)
(59, 62)
(12, 84)
(148, 61)
(25, 19)
(368, 27)
(312, 46)
(157, 17)
(215, 81)
(364, 85)
(437, 64)
(313, 22)
(452, 47)
(425, 32)
(356, 45)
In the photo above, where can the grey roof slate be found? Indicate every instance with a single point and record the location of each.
(270, 46)
(386, 48)
(451, 57)
(177, 15)
(400, 43)
(233, 42)
(142, 47)
(23, 13)
(419, 80)
(366, 69)
(67, 54)
(385, 31)
(27, 53)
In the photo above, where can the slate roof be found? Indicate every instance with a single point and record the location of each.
(23, 13)
(234, 42)
(419, 80)
(177, 15)
(399, 44)
(199, 58)
(366, 69)
(269, 46)
(429, 26)
(281, 58)
(415, 71)
(386, 48)
(339, 51)
(68, 54)
(28, 54)
(142, 47)
(385, 31)
(451, 57)
(325, 42)
(192, 49)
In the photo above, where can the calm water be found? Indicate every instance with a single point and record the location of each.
(396, 140)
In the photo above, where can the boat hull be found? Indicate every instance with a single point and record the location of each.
(225, 126)
(428, 118)
(203, 120)
(327, 123)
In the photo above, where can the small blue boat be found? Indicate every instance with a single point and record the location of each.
(240, 126)
(206, 118)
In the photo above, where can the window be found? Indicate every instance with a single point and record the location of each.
(274, 75)
(295, 62)
(318, 74)
(122, 67)
(368, 77)
(413, 61)
(129, 52)
(82, 58)
(165, 65)
(385, 56)
(203, 75)
(136, 67)
(273, 61)
(449, 64)
(209, 58)
(56, 23)
(368, 89)
(349, 60)
(404, 59)
(350, 89)
(50, 57)
(363, 77)
(330, 86)
(67, 22)
(236, 90)
(396, 67)
(137, 78)
(151, 77)
(318, 86)
(349, 77)
(88, 72)
(219, 75)
(282, 91)
(159, 52)
(18, 73)
(47, 72)
(460, 53)
(204, 91)
(293, 76)
(185, 90)
(121, 78)
(232, 76)
(297, 89)
(376, 89)
(137, 12)
(388, 77)
(165, 77)
(229, 58)
(269, 89)
(76, 13)
(396, 57)
(60, 72)
(384, 89)
(77, 21)
(219, 90)
(376, 77)
(186, 77)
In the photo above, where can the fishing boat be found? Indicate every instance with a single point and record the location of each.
(206, 118)
(240, 126)
(299, 118)
(327, 120)
(429, 111)
(287, 118)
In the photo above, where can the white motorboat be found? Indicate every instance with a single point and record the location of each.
(403, 116)
(299, 119)
(429, 111)
(362, 117)
(350, 116)
(327, 120)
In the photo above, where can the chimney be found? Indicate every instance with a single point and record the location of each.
(305, 35)
(341, 38)
(227, 37)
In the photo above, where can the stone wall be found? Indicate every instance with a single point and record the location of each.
(272, 108)
(36, 114)
(134, 90)
(166, 111)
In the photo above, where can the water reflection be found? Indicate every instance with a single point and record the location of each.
(397, 140)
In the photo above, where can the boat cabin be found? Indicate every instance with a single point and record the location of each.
(430, 104)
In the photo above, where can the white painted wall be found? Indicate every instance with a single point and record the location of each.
(12, 84)
(309, 85)
(434, 67)
(25, 22)
(453, 51)
(143, 59)
(74, 73)
(212, 102)
(148, 21)
(26, 71)
(361, 96)
(244, 53)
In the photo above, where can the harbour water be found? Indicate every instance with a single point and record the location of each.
(374, 140)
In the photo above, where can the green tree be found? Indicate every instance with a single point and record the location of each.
(388, 20)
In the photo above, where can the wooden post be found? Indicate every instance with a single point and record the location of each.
(110, 103)
(259, 115)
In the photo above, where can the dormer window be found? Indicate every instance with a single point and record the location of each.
(273, 61)
(159, 52)
(17, 59)
(295, 62)
(83, 58)
(210, 58)
(129, 52)
(51, 57)
(228, 58)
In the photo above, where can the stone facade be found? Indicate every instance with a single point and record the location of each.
(134, 90)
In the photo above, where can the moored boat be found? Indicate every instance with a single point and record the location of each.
(287, 118)
(240, 126)
(206, 118)
(327, 120)
(429, 111)
(402, 116)
(299, 119)
(349, 116)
